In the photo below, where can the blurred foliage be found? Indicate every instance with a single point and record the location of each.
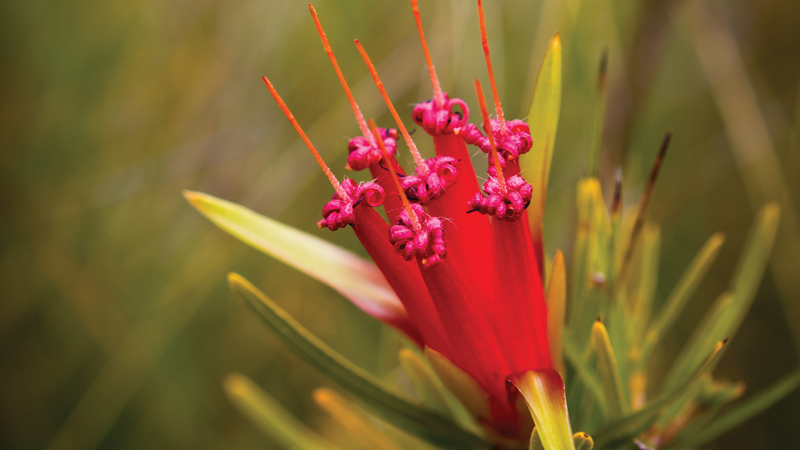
(117, 327)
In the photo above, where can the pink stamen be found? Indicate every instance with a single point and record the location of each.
(418, 160)
(296, 125)
(437, 88)
(406, 204)
(487, 123)
(356, 110)
(485, 42)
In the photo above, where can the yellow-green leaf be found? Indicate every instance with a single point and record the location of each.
(354, 277)
(544, 394)
(398, 411)
(626, 428)
(360, 426)
(609, 373)
(741, 413)
(723, 321)
(681, 294)
(432, 390)
(598, 117)
(543, 122)
(556, 310)
(270, 416)
(463, 386)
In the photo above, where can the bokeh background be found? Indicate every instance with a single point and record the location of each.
(116, 325)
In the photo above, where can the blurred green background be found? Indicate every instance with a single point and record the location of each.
(116, 325)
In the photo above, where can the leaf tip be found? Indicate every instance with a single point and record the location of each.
(235, 280)
(192, 197)
(235, 384)
(556, 41)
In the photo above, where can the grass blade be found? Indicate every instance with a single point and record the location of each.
(400, 412)
(543, 122)
(728, 313)
(354, 277)
(746, 410)
(681, 294)
(609, 373)
(360, 426)
(270, 416)
(626, 428)
(556, 310)
(598, 118)
(432, 391)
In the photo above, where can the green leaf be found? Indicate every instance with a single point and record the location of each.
(645, 282)
(543, 122)
(354, 277)
(433, 392)
(360, 426)
(556, 310)
(729, 312)
(626, 428)
(461, 385)
(271, 417)
(609, 374)
(598, 117)
(586, 376)
(682, 293)
(543, 391)
(422, 422)
(741, 413)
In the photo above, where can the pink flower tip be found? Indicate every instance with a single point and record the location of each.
(364, 152)
(338, 213)
(509, 206)
(512, 140)
(426, 244)
(441, 173)
(441, 118)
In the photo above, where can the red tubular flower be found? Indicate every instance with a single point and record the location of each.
(462, 263)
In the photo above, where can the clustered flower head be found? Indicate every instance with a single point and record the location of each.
(461, 259)
(459, 269)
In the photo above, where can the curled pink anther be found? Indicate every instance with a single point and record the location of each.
(514, 141)
(437, 120)
(441, 173)
(338, 212)
(506, 207)
(363, 153)
(427, 244)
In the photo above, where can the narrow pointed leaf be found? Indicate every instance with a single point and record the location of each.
(682, 293)
(646, 281)
(543, 122)
(619, 431)
(422, 422)
(429, 388)
(741, 413)
(609, 374)
(587, 377)
(598, 117)
(556, 310)
(723, 320)
(463, 387)
(544, 394)
(354, 277)
(270, 416)
(360, 426)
